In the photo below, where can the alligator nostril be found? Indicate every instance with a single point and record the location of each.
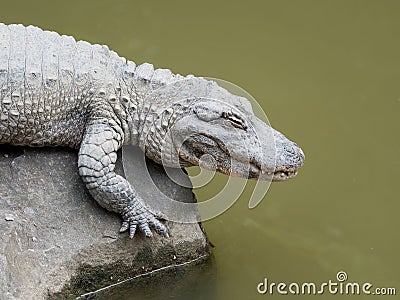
(290, 150)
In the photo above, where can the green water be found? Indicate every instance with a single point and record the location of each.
(327, 73)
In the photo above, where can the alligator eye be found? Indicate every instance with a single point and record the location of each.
(236, 120)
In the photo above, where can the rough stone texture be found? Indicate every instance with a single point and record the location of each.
(195, 281)
(56, 241)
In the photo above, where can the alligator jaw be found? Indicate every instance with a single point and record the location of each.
(250, 170)
(255, 174)
(283, 175)
(282, 172)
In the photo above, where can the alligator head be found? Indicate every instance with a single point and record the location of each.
(217, 130)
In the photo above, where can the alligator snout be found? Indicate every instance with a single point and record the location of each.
(293, 156)
(289, 158)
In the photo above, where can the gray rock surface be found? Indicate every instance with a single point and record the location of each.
(57, 242)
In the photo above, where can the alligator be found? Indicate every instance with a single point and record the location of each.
(55, 91)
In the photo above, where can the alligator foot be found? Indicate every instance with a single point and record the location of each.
(143, 218)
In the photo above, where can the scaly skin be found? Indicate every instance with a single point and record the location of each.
(55, 91)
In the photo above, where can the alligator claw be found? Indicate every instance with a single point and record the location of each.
(144, 219)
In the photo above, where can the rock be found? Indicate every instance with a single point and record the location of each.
(57, 242)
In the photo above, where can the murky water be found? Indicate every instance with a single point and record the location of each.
(327, 73)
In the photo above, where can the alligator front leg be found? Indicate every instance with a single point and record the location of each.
(96, 162)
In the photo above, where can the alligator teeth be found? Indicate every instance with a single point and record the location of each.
(266, 172)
